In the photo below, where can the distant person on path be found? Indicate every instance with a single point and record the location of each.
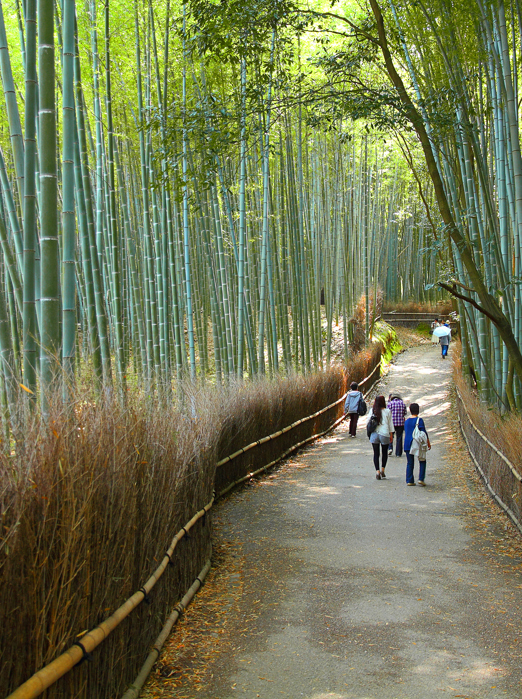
(444, 342)
(351, 406)
(382, 437)
(398, 412)
(414, 447)
(434, 324)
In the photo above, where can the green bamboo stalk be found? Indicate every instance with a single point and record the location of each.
(186, 238)
(13, 114)
(92, 260)
(30, 328)
(50, 257)
(114, 236)
(68, 211)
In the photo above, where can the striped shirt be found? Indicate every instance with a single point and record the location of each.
(398, 411)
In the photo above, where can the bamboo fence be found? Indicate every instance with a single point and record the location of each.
(500, 476)
(325, 419)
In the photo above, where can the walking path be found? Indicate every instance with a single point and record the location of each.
(337, 586)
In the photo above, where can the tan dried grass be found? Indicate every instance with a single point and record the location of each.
(504, 431)
(442, 308)
(94, 495)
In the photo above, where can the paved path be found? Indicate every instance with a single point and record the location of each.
(354, 588)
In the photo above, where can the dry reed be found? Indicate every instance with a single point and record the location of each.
(505, 433)
(89, 503)
(93, 496)
(442, 308)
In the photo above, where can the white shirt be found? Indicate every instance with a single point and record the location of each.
(386, 425)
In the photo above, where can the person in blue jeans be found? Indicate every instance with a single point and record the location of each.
(409, 426)
(444, 343)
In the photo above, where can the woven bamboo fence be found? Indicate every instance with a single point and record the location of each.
(117, 660)
(501, 477)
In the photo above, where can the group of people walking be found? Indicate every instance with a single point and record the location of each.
(389, 422)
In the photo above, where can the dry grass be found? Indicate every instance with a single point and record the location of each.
(410, 338)
(359, 317)
(442, 308)
(504, 431)
(89, 504)
(92, 498)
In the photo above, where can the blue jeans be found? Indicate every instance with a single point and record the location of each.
(409, 468)
(444, 350)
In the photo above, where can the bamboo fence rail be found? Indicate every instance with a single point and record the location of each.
(134, 689)
(82, 648)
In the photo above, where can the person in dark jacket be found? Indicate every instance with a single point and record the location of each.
(409, 426)
(351, 404)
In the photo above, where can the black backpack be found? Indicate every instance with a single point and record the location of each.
(371, 425)
(362, 408)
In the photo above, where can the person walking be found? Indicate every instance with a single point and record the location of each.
(382, 436)
(414, 447)
(351, 407)
(398, 412)
(435, 324)
(444, 342)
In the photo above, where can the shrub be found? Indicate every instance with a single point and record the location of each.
(424, 329)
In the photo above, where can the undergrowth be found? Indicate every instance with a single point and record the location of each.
(358, 320)
(424, 329)
(389, 339)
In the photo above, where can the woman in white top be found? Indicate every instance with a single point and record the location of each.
(383, 435)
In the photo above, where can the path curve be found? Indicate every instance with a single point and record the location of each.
(345, 587)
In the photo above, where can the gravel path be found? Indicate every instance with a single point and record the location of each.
(339, 586)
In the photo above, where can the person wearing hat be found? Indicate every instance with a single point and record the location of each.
(398, 411)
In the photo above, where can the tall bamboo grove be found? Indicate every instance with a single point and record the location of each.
(173, 212)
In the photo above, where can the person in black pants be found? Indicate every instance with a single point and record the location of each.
(398, 411)
(351, 405)
(382, 436)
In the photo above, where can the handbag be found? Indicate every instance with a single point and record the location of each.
(419, 436)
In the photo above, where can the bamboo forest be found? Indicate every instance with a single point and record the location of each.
(210, 205)
(182, 211)
(204, 198)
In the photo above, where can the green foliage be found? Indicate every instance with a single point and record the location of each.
(423, 329)
(386, 334)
